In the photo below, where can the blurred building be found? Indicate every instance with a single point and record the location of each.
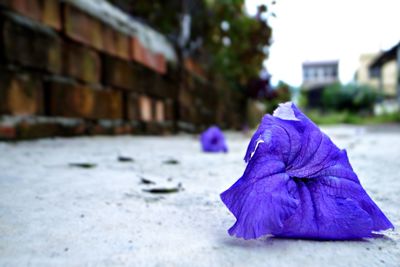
(389, 75)
(385, 69)
(317, 75)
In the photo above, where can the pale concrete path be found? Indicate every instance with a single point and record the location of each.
(53, 214)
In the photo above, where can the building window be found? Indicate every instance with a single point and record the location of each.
(328, 73)
(305, 76)
(321, 73)
(334, 73)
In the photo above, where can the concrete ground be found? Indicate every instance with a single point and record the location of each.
(53, 213)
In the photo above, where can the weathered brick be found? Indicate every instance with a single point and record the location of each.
(98, 129)
(20, 93)
(122, 129)
(76, 24)
(96, 33)
(82, 27)
(161, 63)
(119, 73)
(82, 63)
(148, 80)
(67, 99)
(75, 130)
(122, 45)
(169, 110)
(30, 44)
(38, 130)
(29, 8)
(154, 84)
(132, 106)
(108, 104)
(145, 108)
(153, 128)
(159, 111)
(45, 11)
(155, 61)
(144, 77)
(173, 90)
(148, 58)
(72, 129)
(108, 128)
(137, 50)
(8, 132)
(51, 13)
(172, 87)
(116, 43)
(109, 45)
(157, 86)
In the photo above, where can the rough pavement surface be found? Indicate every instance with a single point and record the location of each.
(53, 213)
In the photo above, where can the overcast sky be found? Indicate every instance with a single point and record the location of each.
(308, 30)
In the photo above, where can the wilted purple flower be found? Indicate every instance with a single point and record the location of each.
(213, 140)
(298, 184)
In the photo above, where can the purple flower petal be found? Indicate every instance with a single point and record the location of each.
(298, 184)
(213, 140)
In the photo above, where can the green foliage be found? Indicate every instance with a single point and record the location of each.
(302, 98)
(234, 53)
(349, 97)
(161, 15)
(241, 59)
(347, 117)
(280, 95)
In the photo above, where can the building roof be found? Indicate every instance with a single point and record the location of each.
(384, 57)
(320, 63)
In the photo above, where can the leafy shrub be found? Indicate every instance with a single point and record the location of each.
(346, 117)
(350, 97)
(279, 95)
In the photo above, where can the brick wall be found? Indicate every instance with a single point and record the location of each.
(63, 73)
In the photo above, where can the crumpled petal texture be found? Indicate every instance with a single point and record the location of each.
(298, 184)
(213, 140)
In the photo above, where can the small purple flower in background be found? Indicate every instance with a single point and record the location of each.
(298, 184)
(213, 140)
